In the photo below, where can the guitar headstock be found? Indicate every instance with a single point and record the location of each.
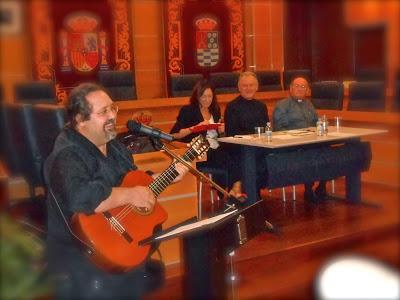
(199, 145)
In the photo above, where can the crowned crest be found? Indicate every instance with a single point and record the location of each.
(82, 46)
(207, 41)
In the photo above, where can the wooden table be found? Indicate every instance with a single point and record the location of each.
(292, 140)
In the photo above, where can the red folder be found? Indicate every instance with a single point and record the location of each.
(201, 128)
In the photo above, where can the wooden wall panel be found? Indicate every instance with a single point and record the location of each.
(317, 35)
(331, 46)
(148, 47)
(372, 12)
(249, 34)
(262, 47)
(365, 56)
(264, 34)
(297, 35)
(15, 63)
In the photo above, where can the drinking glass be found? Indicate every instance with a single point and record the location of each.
(259, 131)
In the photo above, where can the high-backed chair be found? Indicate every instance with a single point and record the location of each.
(182, 85)
(119, 84)
(224, 82)
(49, 121)
(19, 118)
(327, 95)
(8, 153)
(367, 96)
(288, 75)
(370, 74)
(35, 92)
(269, 81)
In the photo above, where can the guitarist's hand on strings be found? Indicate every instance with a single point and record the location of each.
(138, 196)
(142, 197)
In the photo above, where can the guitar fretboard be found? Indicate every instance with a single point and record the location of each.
(166, 177)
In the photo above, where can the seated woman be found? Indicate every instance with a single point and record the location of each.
(202, 110)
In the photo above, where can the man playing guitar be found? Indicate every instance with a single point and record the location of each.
(83, 174)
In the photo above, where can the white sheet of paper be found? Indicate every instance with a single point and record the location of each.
(340, 134)
(299, 131)
(196, 224)
(246, 137)
(285, 137)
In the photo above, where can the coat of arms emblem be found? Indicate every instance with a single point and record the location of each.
(207, 42)
(82, 45)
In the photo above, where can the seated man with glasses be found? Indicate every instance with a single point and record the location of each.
(297, 112)
(83, 174)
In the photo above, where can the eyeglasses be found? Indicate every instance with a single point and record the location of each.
(299, 86)
(106, 110)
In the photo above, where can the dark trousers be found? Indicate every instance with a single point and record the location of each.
(84, 282)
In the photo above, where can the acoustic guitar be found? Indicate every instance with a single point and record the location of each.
(111, 237)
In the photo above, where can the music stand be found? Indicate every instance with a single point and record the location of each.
(206, 247)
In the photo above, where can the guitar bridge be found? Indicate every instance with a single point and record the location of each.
(117, 226)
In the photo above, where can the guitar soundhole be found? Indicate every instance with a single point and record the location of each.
(143, 210)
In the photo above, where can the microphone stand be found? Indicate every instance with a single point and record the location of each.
(270, 227)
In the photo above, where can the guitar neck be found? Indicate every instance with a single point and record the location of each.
(168, 176)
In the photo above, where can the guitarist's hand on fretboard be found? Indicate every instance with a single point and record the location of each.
(182, 170)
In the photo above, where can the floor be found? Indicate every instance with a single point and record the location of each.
(285, 264)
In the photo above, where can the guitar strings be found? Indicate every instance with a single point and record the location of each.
(169, 174)
(130, 207)
(157, 186)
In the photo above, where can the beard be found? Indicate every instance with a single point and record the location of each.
(111, 131)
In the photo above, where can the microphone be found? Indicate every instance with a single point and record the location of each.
(147, 130)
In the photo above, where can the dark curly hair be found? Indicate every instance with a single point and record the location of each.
(78, 104)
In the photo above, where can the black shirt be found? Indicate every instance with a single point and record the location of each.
(242, 115)
(81, 177)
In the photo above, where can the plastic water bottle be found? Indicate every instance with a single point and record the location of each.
(268, 132)
(319, 127)
(324, 125)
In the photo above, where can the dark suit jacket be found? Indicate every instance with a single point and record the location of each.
(190, 115)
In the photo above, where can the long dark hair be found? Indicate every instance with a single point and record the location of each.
(198, 91)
